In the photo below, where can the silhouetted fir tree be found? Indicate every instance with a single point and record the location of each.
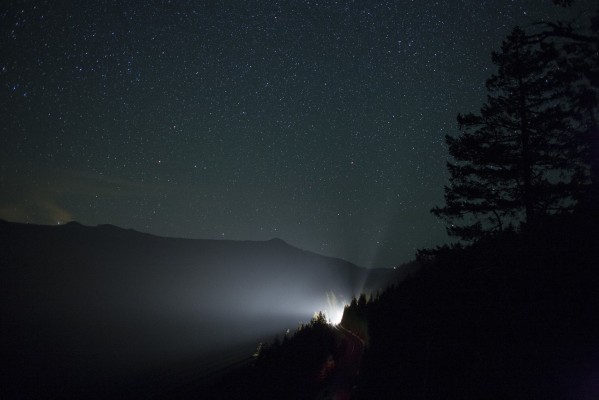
(517, 158)
(354, 316)
(578, 73)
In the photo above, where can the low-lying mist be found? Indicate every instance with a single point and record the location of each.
(84, 306)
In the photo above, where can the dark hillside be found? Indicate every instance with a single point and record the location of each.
(513, 316)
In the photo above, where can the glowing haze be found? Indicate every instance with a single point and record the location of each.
(109, 302)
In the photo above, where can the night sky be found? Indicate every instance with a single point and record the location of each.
(321, 123)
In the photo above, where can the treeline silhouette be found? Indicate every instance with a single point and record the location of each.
(294, 365)
(512, 316)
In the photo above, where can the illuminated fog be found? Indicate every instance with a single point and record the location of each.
(115, 302)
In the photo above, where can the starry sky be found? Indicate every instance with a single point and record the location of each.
(318, 122)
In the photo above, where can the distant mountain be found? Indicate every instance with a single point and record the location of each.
(83, 305)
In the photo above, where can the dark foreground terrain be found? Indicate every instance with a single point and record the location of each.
(511, 317)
